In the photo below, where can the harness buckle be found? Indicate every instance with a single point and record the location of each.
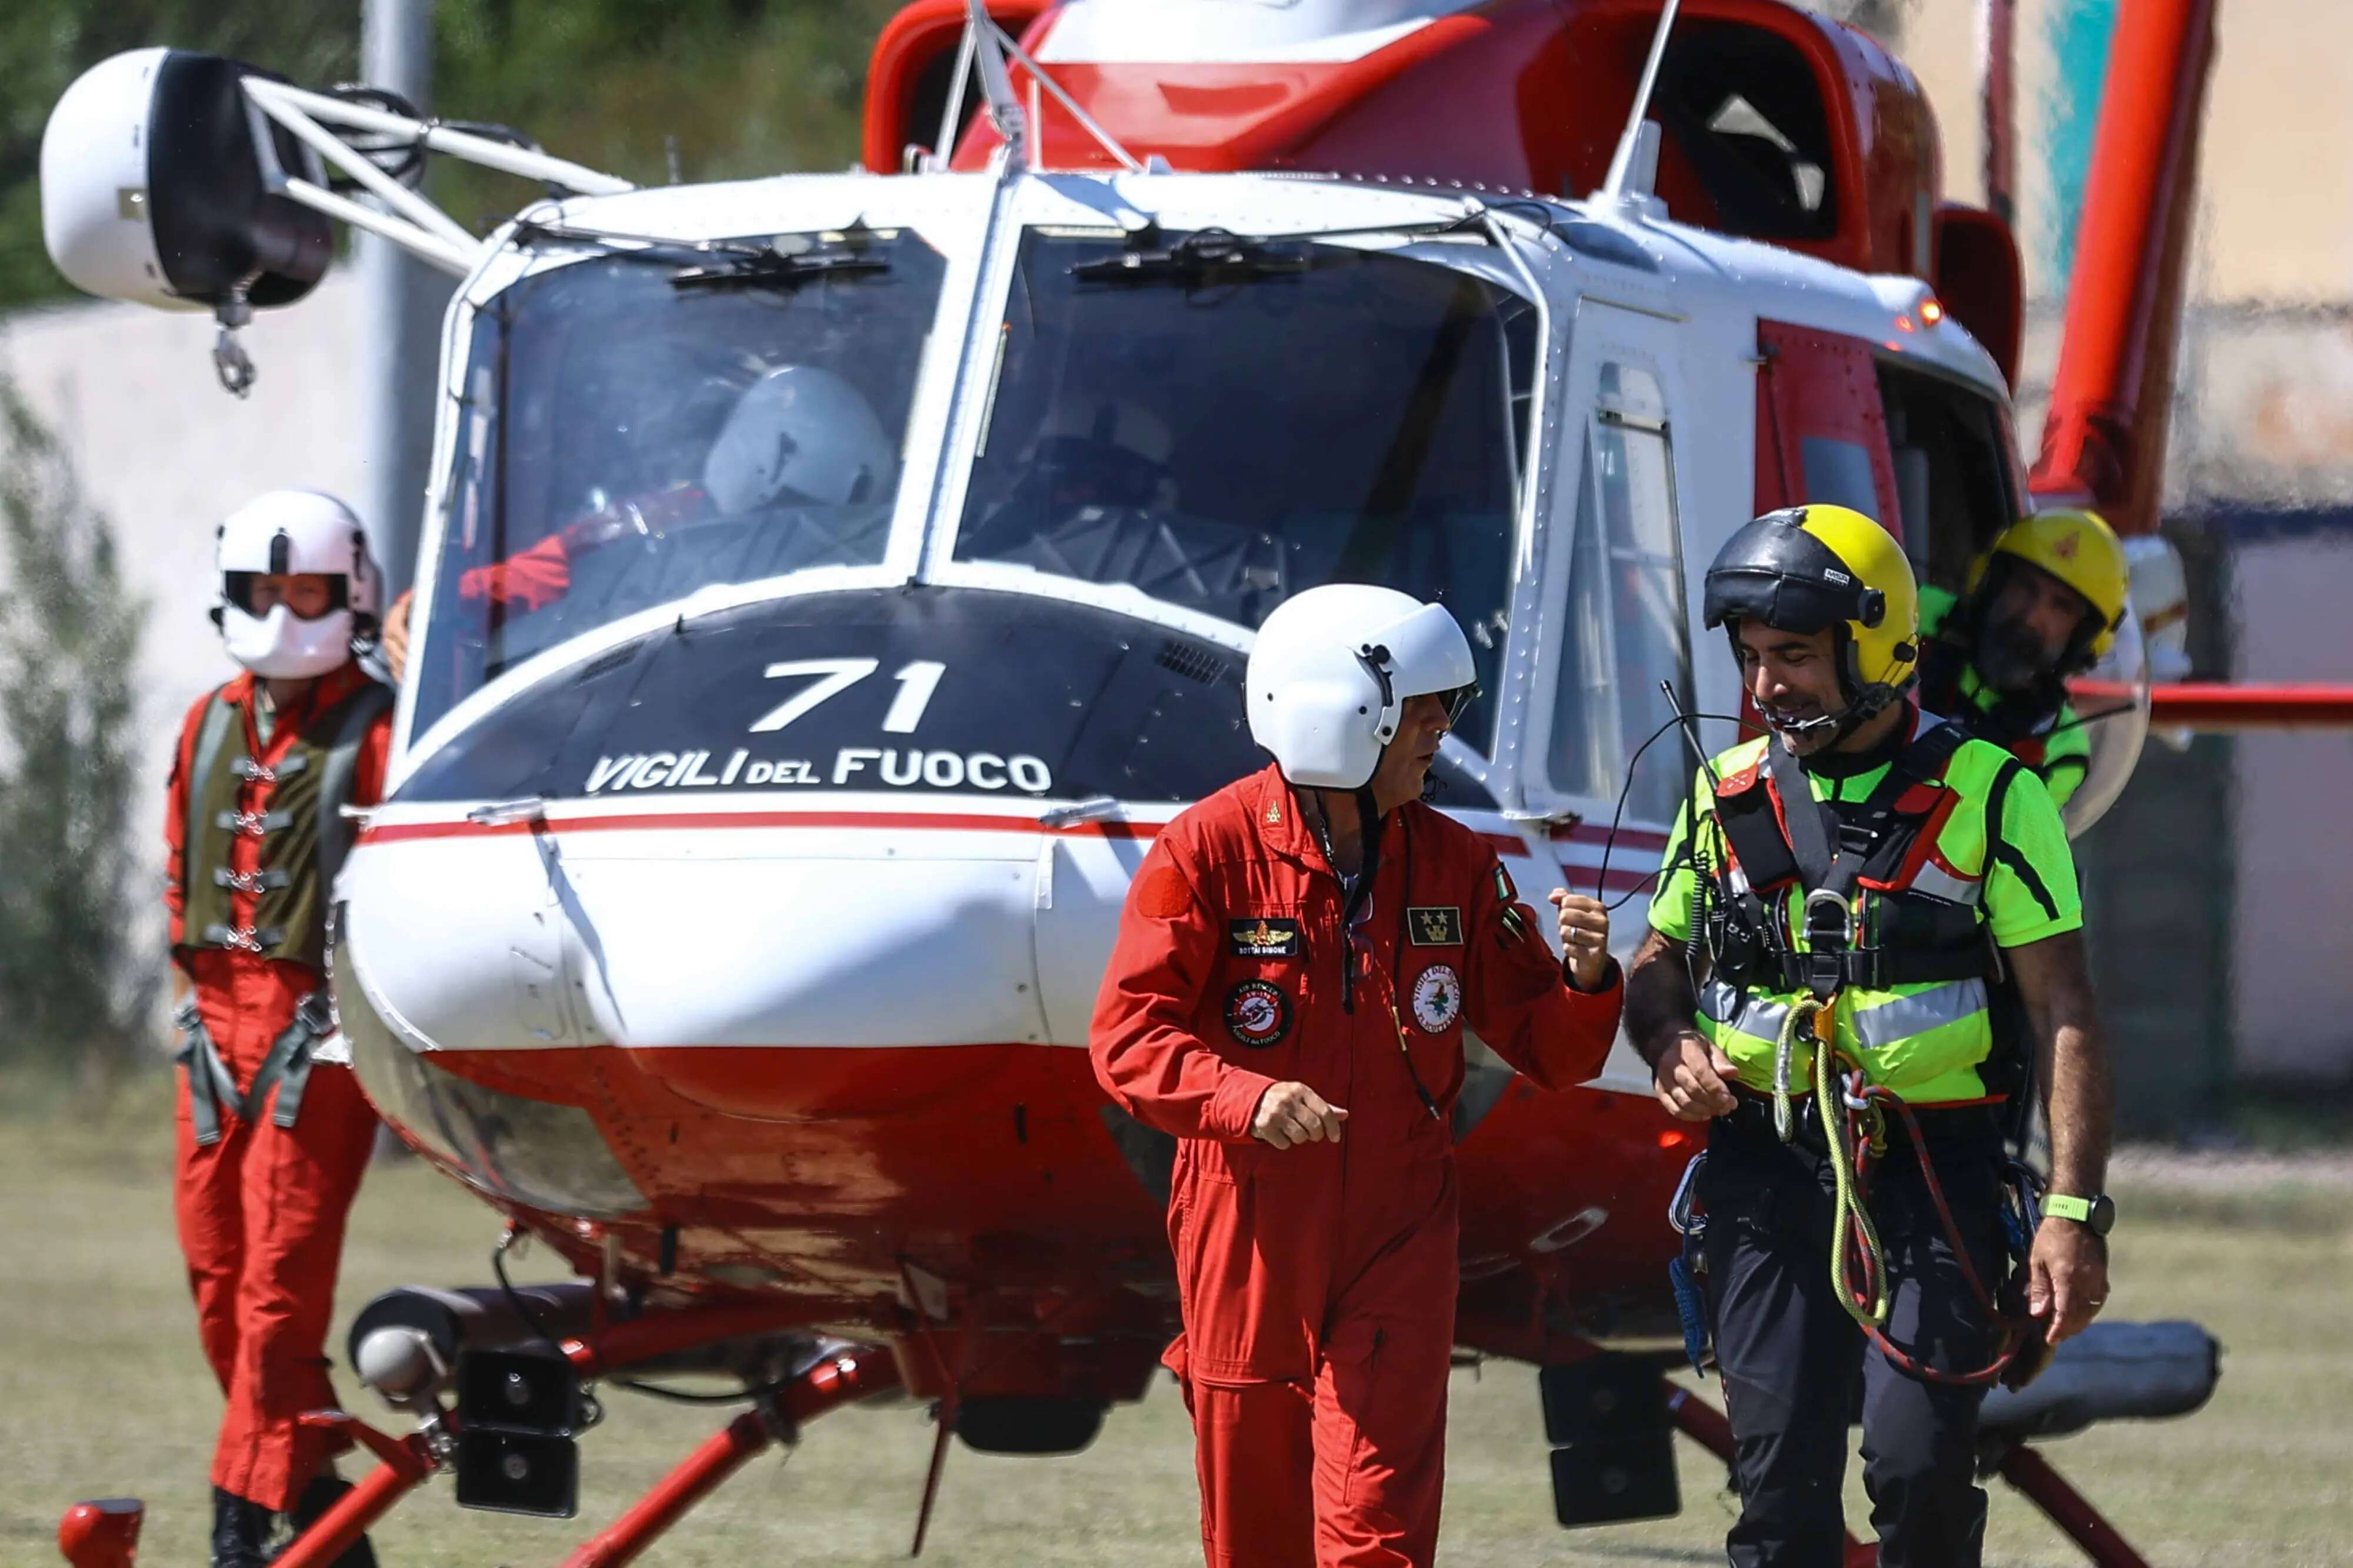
(242, 939)
(248, 824)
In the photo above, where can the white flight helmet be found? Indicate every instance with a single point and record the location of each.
(286, 531)
(1332, 669)
(798, 432)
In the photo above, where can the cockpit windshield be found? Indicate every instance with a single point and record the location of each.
(649, 422)
(1222, 425)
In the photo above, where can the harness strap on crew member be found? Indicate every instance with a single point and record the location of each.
(212, 1088)
(1876, 840)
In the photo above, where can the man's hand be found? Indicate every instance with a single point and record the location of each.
(1693, 1079)
(2068, 1278)
(1584, 938)
(1292, 1113)
(393, 638)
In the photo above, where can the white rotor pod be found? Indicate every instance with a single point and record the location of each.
(158, 187)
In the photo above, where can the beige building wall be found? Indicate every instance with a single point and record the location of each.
(2275, 178)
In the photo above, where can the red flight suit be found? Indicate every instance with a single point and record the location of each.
(1317, 1283)
(261, 1212)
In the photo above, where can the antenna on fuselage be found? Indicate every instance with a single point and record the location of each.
(1634, 166)
(989, 46)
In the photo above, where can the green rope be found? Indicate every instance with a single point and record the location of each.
(1838, 1129)
(1785, 1050)
(1847, 1204)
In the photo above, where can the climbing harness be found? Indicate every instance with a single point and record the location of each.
(1854, 1112)
(212, 1088)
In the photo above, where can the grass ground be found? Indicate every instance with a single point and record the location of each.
(101, 1391)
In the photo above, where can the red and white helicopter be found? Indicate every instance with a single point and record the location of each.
(830, 583)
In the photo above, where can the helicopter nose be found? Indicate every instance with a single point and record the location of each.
(746, 967)
(900, 947)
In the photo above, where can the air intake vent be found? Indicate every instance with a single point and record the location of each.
(1192, 662)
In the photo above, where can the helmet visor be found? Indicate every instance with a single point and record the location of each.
(1456, 700)
(1788, 579)
(244, 589)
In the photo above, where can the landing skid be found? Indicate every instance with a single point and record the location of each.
(2020, 1466)
(105, 1534)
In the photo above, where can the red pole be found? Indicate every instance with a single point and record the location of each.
(677, 1492)
(2000, 100)
(334, 1532)
(2076, 1518)
(2104, 441)
(841, 1379)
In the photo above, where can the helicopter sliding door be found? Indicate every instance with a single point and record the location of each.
(1615, 593)
(1822, 428)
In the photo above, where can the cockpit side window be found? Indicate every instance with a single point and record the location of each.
(1625, 631)
(1953, 476)
(639, 425)
(1223, 436)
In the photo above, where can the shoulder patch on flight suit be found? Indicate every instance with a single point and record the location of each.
(1437, 998)
(1262, 938)
(1163, 895)
(1504, 888)
(1258, 1013)
(1435, 925)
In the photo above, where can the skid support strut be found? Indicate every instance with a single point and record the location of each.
(842, 1378)
(2065, 1506)
(407, 1462)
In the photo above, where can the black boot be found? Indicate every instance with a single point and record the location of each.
(239, 1529)
(325, 1491)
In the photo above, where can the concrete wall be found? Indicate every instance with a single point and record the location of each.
(2292, 945)
(165, 453)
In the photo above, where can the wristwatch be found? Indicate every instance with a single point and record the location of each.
(2097, 1213)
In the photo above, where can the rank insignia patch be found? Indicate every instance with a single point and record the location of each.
(1504, 888)
(1435, 925)
(1258, 1013)
(1437, 998)
(1262, 938)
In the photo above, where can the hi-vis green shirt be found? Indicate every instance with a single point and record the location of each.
(1925, 1041)
(2061, 755)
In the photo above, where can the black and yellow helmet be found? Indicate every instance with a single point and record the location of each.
(2079, 549)
(1805, 568)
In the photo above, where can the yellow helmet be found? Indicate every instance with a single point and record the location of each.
(2082, 550)
(1807, 567)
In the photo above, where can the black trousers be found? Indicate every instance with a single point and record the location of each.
(1795, 1366)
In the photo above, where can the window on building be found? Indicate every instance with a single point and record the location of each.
(1626, 627)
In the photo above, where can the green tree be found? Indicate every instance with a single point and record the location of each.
(77, 979)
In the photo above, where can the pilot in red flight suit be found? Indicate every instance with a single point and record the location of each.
(270, 1145)
(1297, 961)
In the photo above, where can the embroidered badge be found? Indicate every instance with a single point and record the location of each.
(1263, 938)
(1273, 812)
(1435, 925)
(1258, 1013)
(1504, 888)
(1437, 999)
